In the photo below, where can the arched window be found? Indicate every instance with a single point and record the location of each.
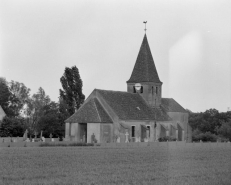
(134, 89)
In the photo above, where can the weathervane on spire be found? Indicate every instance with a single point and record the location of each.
(145, 22)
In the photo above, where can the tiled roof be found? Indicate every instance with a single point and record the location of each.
(90, 112)
(170, 105)
(144, 69)
(161, 115)
(129, 106)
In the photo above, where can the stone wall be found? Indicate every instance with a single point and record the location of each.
(93, 128)
(182, 119)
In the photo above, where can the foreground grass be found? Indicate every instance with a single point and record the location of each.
(97, 165)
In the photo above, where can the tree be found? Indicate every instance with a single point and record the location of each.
(49, 121)
(210, 124)
(5, 96)
(19, 97)
(72, 89)
(225, 130)
(63, 111)
(12, 127)
(206, 121)
(36, 110)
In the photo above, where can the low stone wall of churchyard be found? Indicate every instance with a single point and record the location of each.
(10, 139)
(18, 141)
(120, 145)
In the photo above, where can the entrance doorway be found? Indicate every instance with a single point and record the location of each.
(143, 132)
(179, 132)
(83, 132)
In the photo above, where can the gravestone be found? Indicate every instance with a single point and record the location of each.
(118, 139)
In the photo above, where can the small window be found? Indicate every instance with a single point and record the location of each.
(152, 90)
(148, 129)
(156, 90)
(134, 89)
(133, 131)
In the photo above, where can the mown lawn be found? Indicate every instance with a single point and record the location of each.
(163, 164)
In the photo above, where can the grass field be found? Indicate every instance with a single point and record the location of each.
(162, 164)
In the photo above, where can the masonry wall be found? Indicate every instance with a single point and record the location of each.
(106, 133)
(149, 92)
(137, 125)
(93, 128)
(115, 126)
(182, 119)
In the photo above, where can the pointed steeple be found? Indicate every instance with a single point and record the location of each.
(144, 69)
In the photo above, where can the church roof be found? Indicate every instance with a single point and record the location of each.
(144, 69)
(170, 105)
(131, 106)
(90, 112)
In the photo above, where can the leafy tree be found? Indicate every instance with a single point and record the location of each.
(5, 97)
(72, 89)
(36, 110)
(49, 121)
(225, 130)
(210, 124)
(205, 122)
(63, 111)
(12, 127)
(19, 97)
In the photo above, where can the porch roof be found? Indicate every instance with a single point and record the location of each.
(90, 112)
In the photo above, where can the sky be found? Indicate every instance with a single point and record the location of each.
(190, 42)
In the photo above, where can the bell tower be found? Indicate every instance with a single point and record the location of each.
(144, 78)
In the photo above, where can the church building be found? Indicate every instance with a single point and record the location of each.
(138, 115)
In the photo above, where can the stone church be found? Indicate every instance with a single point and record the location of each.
(138, 115)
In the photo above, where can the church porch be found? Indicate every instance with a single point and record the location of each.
(89, 132)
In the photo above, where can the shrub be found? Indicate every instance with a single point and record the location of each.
(166, 138)
(81, 144)
(222, 139)
(52, 144)
(65, 144)
(205, 137)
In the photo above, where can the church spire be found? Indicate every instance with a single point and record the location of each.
(144, 69)
(145, 76)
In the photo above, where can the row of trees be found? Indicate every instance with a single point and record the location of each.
(210, 125)
(38, 113)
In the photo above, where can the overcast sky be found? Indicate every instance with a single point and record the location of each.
(190, 42)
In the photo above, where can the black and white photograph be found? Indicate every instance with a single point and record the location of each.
(115, 92)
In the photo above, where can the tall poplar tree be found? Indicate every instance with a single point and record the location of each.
(72, 85)
(4, 94)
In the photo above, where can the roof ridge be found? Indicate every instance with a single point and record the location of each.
(116, 91)
(97, 109)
